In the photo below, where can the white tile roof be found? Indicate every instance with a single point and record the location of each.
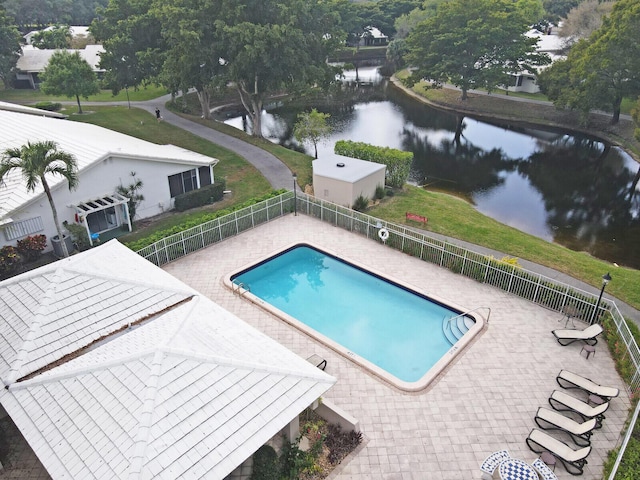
(192, 393)
(88, 143)
(36, 60)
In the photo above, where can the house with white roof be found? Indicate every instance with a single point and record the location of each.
(33, 61)
(105, 160)
(112, 368)
(549, 42)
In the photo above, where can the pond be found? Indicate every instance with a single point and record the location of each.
(563, 187)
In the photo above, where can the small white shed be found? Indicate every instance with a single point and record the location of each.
(342, 180)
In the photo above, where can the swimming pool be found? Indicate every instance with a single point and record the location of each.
(385, 326)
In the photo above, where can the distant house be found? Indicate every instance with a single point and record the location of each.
(342, 180)
(33, 61)
(113, 369)
(105, 160)
(548, 42)
(373, 38)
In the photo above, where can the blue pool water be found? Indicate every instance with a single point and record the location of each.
(392, 327)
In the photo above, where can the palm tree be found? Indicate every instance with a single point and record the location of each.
(36, 160)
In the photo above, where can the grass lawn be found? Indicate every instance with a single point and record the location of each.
(26, 96)
(456, 218)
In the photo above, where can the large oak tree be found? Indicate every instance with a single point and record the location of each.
(275, 47)
(473, 43)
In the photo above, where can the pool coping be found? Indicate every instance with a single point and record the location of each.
(425, 381)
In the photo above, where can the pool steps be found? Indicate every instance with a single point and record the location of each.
(454, 328)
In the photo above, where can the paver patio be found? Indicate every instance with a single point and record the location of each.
(485, 401)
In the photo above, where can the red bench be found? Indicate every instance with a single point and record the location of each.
(417, 218)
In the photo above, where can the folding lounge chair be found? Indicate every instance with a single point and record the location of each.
(568, 380)
(563, 402)
(580, 432)
(588, 335)
(573, 460)
(491, 463)
(543, 469)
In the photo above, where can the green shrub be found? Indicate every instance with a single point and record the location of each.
(32, 246)
(380, 192)
(398, 162)
(79, 235)
(202, 196)
(265, 464)
(49, 106)
(196, 221)
(9, 260)
(361, 203)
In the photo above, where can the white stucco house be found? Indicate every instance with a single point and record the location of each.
(342, 180)
(33, 61)
(111, 368)
(549, 42)
(105, 160)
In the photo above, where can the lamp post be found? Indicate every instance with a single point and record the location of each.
(295, 195)
(605, 280)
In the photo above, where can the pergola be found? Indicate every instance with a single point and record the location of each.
(83, 209)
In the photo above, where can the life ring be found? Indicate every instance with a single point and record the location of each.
(383, 233)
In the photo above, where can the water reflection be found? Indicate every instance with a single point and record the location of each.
(570, 189)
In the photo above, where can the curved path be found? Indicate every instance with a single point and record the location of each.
(279, 176)
(276, 172)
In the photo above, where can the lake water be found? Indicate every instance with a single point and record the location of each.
(566, 188)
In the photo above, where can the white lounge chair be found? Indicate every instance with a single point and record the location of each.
(568, 380)
(543, 469)
(551, 420)
(573, 460)
(564, 402)
(491, 463)
(588, 335)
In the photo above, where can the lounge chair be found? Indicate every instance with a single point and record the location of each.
(573, 460)
(490, 463)
(568, 380)
(563, 402)
(543, 469)
(551, 420)
(588, 335)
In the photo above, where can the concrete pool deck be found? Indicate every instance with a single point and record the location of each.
(483, 402)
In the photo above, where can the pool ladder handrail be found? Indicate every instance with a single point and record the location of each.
(239, 286)
(447, 321)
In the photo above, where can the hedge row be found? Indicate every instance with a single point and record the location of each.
(398, 162)
(202, 196)
(197, 220)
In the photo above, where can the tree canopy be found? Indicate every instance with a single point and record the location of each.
(584, 19)
(134, 47)
(59, 36)
(473, 43)
(313, 127)
(9, 46)
(36, 14)
(70, 75)
(273, 47)
(601, 70)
